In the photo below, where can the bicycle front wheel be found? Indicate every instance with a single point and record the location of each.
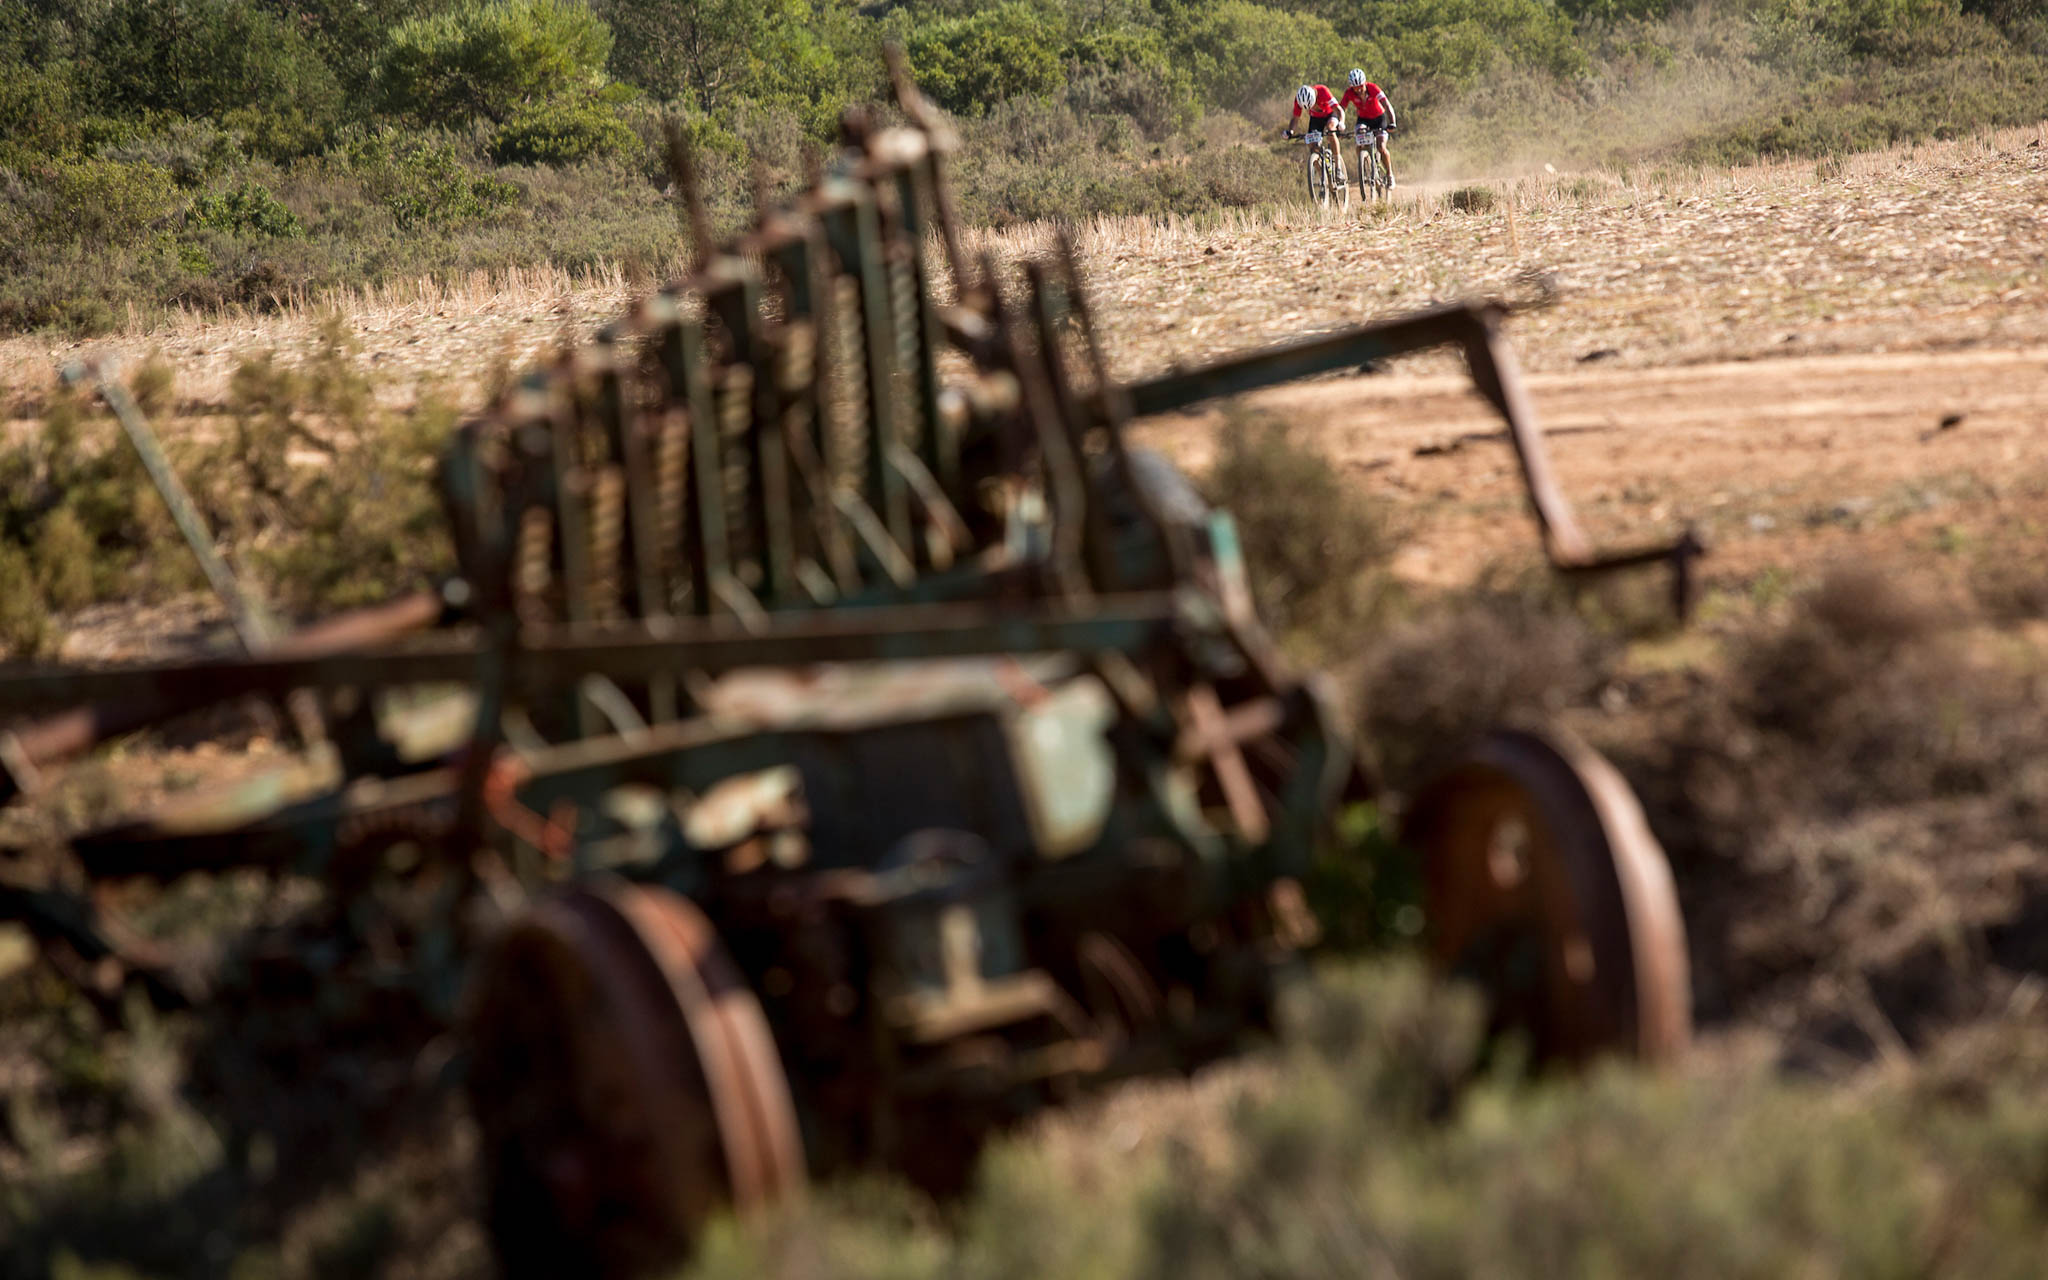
(1318, 180)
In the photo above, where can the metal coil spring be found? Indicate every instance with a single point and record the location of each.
(904, 307)
(671, 481)
(607, 536)
(533, 564)
(847, 438)
(736, 458)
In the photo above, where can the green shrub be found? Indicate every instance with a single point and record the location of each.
(80, 521)
(194, 152)
(1456, 44)
(361, 526)
(24, 619)
(1471, 199)
(1311, 543)
(85, 198)
(562, 132)
(489, 60)
(63, 555)
(423, 182)
(247, 208)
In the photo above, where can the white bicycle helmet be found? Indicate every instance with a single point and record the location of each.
(1357, 78)
(1305, 96)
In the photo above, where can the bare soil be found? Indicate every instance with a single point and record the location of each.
(1778, 464)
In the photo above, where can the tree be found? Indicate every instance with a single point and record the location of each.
(489, 60)
(220, 58)
(351, 34)
(701, 50)
(969, 64)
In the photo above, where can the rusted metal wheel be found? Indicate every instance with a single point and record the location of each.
(625, 1085)
(1544, 884)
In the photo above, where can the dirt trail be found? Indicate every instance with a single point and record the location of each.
(1778, 463)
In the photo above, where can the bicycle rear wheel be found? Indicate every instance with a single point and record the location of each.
(1372, 179)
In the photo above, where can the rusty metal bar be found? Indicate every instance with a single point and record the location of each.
(556, 657)
(1475, 329)
(1450, 323)
(253, 624)
(26, 750)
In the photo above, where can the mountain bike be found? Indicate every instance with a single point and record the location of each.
(1373, 179)
(1324, 168)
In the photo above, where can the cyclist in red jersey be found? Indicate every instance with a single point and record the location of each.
(1375, 116)
(1325, 115)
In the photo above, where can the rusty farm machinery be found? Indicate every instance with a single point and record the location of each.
(859, 743)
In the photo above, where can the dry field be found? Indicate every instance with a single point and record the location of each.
(1768, 353)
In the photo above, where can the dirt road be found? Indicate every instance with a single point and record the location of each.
(1780, 464)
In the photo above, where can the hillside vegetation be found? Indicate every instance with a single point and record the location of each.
(161, 154)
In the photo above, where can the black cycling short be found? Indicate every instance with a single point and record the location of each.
(1320, 124)
(1372, 123)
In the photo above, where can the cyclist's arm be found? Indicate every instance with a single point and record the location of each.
(1390, 111)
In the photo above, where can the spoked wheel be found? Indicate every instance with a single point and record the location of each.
(1544, 884)
(1372, 184)
(625, 1085)
(1318, 181)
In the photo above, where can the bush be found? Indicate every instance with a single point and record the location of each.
(490, 60)
(39, 105)
(247, 208)
(63, 555)
(1376, 1143)
(79, 520)
(1310, 542)
(562, 132)
(192, 151)
(364, 525)
(1471, 199)
(423, 182)
(24, 620)
(1436, 682)
(59, 199)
